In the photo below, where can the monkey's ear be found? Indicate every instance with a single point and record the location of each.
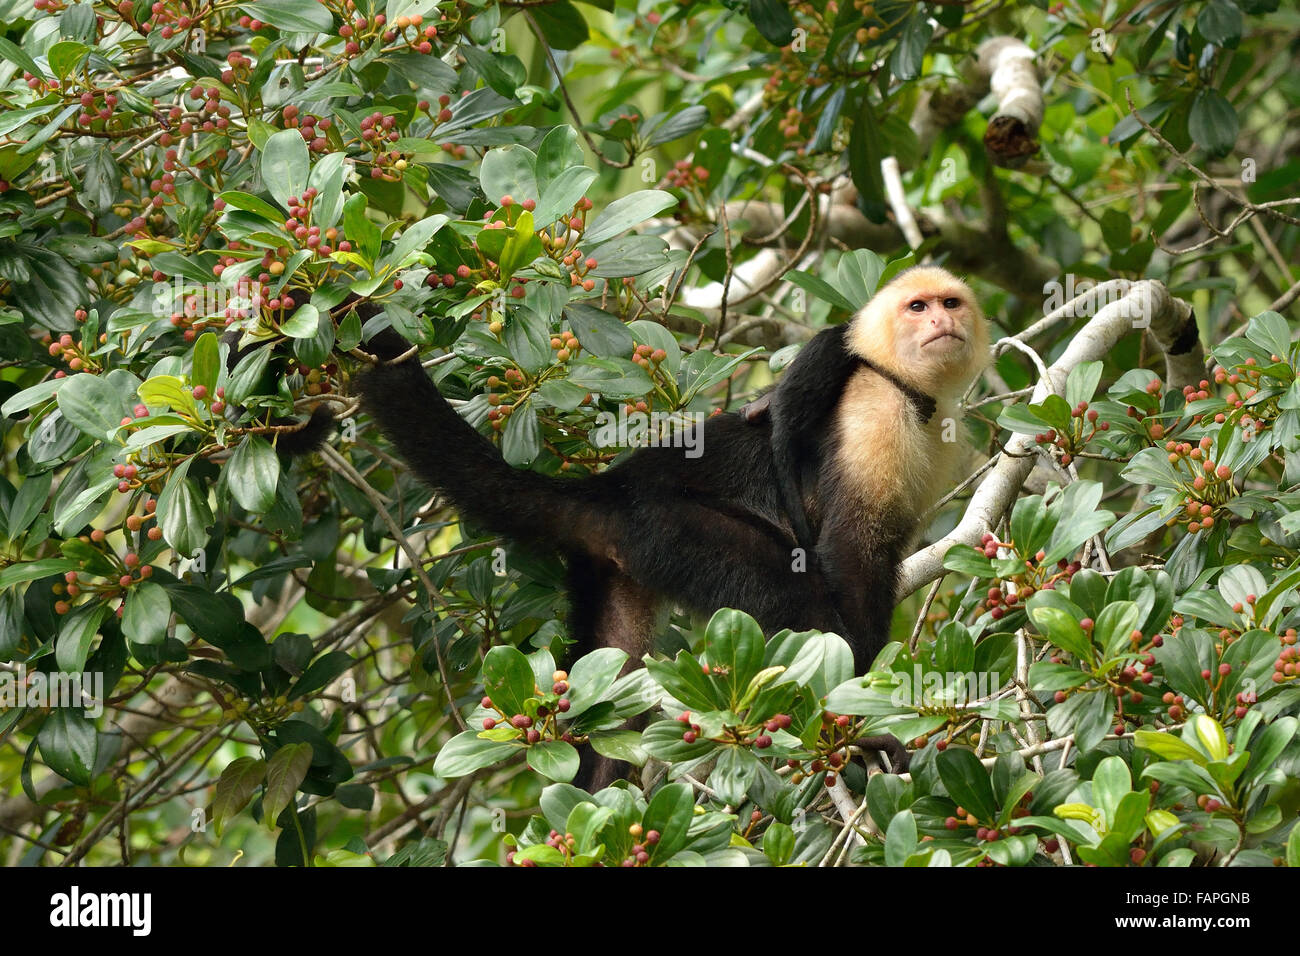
(758, 411)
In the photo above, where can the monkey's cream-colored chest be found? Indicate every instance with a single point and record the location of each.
(888, 458)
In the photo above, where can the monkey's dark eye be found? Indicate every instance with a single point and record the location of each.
(951, 302)
(917, 305)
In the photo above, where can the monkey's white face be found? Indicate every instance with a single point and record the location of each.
(927, 328)
(935, 325)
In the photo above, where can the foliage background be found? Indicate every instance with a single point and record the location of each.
(291, 645)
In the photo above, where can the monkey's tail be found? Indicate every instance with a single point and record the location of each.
(449, 455)
(309, 434)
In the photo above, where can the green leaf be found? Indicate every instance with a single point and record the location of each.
(296, 16)
(92, 404)
(602, 334)
(19, 57)
(1210, 733)
(1081, 384)
(83, 248)
(773, 21)
(521, 440)
(1114, 625)
(70, 744)
(733, 774)
(900, 838)
(358, 227)
(252, 474)
(1221, 22)
(561, 24)
(467, 752)
(1111, 782)
(967, 782)
(28, 397)
(909, 55)
(554, 759)
(168, 391)
(585, 822)
(303, 323)
(64, 56)
(285, 772)
(508, 679)
(1049, 677)
(559, 152)
(1270, 331)
(320, 673)
(327, 177)
(349, 334)
(250, 203)
(966, 560)
(206, 363)
(778, 843)
(1270, 745)
(76, 635)
(148, 611)
(629, 256)
(665, 129)
(27, 504)
(183, 513)
(1060, 628)
(285, 163)
(670, 812)
(235, 787)
(1053, 411)
(734, 641)
(502, 72)
(820, 288)
(619, 745)
(34, 144)
(1293, 848)
(1213, 123)
(591, 676)
(413, 239)
(26, 571)
(508, 171)
(521, 246)
(624, 213)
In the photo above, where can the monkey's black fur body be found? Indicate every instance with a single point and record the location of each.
(707, 532)
(800, 409)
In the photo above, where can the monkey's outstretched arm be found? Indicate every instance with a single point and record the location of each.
(803, 402)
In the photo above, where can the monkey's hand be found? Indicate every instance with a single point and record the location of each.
(899, 758)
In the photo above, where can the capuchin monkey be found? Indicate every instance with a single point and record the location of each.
(797, 512)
